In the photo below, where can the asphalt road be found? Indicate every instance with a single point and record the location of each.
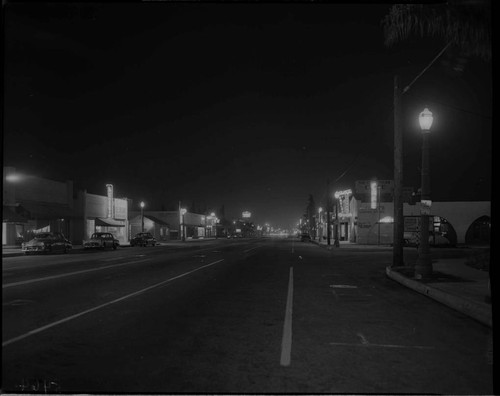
(231, 316)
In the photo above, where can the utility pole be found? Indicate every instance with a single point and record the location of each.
(328, 230)
(336, 234)
(397, 256)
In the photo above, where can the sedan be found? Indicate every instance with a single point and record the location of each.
(101, 240)
(47, 242)
(143, 239)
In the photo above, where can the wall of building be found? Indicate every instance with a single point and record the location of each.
(460, 215)
(194, 222)
(96, 206)
(368, 223)
(47, 205)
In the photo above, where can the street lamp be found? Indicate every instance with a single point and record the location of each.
(423, 267)
(319, 224)
(142, 216)
(183, 212)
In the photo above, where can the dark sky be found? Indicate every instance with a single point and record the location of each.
(252, 106)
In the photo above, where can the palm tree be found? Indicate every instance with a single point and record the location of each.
(464, 24)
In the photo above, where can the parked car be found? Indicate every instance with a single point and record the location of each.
(47, 242)
(304, 237)
(143, 239)
(101, 240)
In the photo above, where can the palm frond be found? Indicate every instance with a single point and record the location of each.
(465, 24)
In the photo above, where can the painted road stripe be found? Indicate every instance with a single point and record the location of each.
(46, 327)
(286, 343)
(344, 286)
(26, 282)
(246, 251)
(115, 258)
(380, 345)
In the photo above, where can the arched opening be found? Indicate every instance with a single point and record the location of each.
(478, 233)
(442, 233)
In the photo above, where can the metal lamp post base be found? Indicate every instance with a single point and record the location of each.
(423, 267)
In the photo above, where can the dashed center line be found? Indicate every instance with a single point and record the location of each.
(286, 343)
(246, 251)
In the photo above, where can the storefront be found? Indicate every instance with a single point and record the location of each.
(13, 226)
(104, 214)
(148, 223)
(33, 204)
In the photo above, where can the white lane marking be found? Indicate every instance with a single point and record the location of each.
(344, 286)
(246, 251)
(46, 327)
(293, 246)
(17, 302)
(286, 343)
(115, 258)
(381, 345)
(26, 282)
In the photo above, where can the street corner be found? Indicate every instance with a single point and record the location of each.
(474, 309)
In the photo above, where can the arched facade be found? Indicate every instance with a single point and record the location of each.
(461, 215)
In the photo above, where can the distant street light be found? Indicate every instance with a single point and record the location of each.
(142, 216)
(183, 212)
(423, 267)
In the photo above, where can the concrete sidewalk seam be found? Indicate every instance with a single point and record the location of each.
(477, 311)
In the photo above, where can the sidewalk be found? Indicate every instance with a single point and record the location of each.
(454, 283)
(12, 251)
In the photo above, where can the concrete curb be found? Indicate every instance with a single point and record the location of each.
(480, 312)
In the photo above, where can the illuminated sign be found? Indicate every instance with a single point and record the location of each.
(109, 188)
(246, 215)
(364, 186)
(425, 206)
(341, 193)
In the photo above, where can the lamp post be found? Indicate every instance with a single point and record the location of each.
(423, 267)
(183, 212)
(336, 242)
(320, 234)
(142, 216)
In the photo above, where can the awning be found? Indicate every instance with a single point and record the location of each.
(108, 222)
(10, 216)
(45, 211)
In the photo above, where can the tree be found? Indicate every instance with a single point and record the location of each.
(465, 24)
(310, 216)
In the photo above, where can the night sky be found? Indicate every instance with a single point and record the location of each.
(252, 106)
